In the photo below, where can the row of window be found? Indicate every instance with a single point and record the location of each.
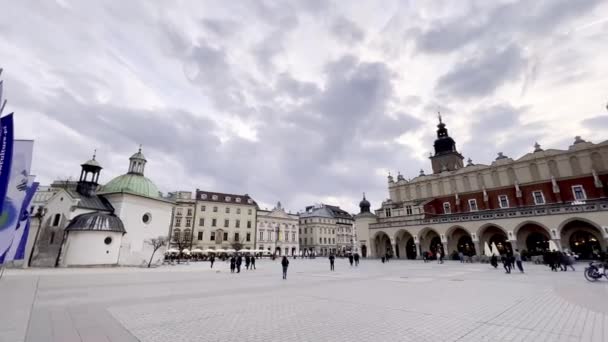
(274, 225)
(408, 211)
(322, 230)
(321, 241)
(578, 192)
(227, 198)
(226, 210)
(201, 222)
(270, 234)
(316, 220)
(212, 236)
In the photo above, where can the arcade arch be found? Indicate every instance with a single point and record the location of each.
(582, 237)
(460, 240)
(405, 247)
(382, 244)
(494, 234)
(532, 236)
(430, 241)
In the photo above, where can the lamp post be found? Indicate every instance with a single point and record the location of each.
(40, 213)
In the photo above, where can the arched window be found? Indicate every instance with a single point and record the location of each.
(495, 178)
(575, 165)
(596, 161)
(553, 169)
(534, 172)
(511, 175)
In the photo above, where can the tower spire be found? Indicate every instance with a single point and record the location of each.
(439, 116)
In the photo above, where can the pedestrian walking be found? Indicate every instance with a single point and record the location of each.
(212, 260)
(425, 257)
(285, 264)
(439, 256)
(232, 264)
(332, 258)
(461, 257)
(239, 261)
(356, 259)
(253, 262)
(506, 263)
(517, 257)
(351, 259)
(247, 261)
(494, 260)
(567, 260)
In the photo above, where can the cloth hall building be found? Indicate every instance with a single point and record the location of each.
(544, 198)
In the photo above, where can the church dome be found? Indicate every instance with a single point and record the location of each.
(132, 183)
(364, 205)
(97, 221)
(92, 162)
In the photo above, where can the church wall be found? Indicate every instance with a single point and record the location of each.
(89, 248)
(130, 209)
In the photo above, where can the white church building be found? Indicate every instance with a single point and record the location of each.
(86, 224)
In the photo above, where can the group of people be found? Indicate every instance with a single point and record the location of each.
(509, 260)
(429, 256)
(236, 262)
(559, 259)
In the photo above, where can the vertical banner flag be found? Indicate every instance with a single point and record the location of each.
(18, 184)
(6, 156)
(17, 249)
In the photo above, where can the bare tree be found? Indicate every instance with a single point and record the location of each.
(156, 244)
(181, 242)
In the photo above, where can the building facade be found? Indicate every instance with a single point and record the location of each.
(325, 230)
(277, 231)
(221, 221)
(184, 216)
(87, 224)
(544, 198)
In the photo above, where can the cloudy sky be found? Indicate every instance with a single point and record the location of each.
(298, 101)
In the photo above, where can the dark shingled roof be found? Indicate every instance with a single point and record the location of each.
(221, 197)
(96, 222)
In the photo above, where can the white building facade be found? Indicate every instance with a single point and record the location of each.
(278, 231)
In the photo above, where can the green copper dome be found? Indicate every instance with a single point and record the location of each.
(131, 183)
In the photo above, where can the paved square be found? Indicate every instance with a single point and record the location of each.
(396, 301)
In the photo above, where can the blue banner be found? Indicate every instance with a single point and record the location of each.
(17, 249)
(6, 155)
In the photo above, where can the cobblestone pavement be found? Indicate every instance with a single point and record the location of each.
(396, 301)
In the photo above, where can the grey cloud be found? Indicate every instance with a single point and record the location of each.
(598, 122)
(504, 23)
(481, 75)
(221, 28)
(346, 31)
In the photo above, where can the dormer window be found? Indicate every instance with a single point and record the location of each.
(249, 201)
(446, 208)
(214, 197)
(238, 200)
(204, 196)
(228, 198)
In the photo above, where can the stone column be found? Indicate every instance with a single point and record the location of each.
(558, 243)
(478, 247)
(418, 251)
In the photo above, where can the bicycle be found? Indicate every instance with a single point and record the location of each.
(595, 271)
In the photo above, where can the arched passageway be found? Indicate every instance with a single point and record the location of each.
(382, 244)
(405, 245)
(430, 242)
(583, 238)
(364, 251)
(495, 236)
(459, 240)
(533, 237)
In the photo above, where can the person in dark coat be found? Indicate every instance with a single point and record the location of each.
(351, 258)
(252, 260)
(285, 264)
(517, 257)
(332, 258)
(506, 263)
(247, 261)
(232, 264)
(239, 262)
(356, 259)
(212, 260)
(494, 260)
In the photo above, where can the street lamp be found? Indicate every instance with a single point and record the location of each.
(40, 213)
